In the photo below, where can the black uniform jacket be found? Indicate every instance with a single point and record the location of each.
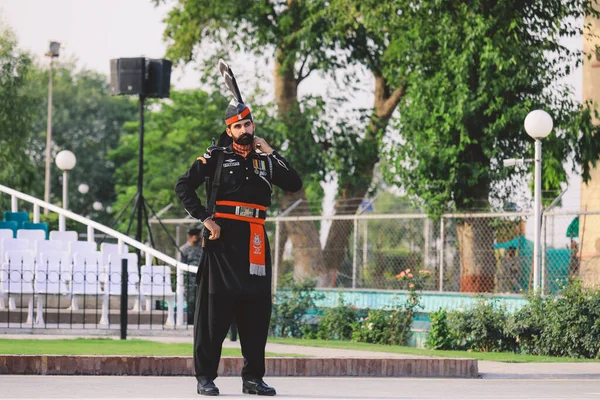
(226, 262)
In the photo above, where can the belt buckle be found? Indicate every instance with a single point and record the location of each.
(245, 211)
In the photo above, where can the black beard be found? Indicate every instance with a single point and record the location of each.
(245, 139)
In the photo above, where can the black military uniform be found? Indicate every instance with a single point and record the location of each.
(232, 281)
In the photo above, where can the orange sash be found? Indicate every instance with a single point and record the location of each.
(257, 233)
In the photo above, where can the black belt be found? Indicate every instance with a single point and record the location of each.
(241, 211)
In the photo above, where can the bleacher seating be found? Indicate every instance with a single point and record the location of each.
(155, 283)
(87, 274)
(12, 225)
(64, 236)
(51, 277)
(19, 277)
(36, 226)
(113, 278)
(42, 246)
(82, 247)
(31, 234)
(35, 269)
(19, 217)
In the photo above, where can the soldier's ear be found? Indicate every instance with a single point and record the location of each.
(228, 130)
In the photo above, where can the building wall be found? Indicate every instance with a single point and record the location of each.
(589, 226)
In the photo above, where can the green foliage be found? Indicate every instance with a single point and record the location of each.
(563, 325)
(481, 327)
(294, 300)
(17, 108)
(438, 336)
(527, 323)
(572, 323)
(176, 133)
(389, 326)
(86, 120)
(337, 322)
(472, 77)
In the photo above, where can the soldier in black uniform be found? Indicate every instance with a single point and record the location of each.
(234, 277)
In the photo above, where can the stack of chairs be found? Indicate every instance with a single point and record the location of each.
(19, 220)
(34, 268)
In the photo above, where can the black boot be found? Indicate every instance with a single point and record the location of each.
(207, 387)
(257, 386)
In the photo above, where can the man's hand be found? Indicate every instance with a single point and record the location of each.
(262, 145)
(214, 228)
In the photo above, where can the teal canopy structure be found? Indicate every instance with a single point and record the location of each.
(573, 229)
(557, 262)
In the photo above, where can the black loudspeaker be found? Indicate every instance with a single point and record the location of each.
(140, 76)
(127, 75)
(158, 83)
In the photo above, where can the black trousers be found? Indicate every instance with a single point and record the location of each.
(214, 313)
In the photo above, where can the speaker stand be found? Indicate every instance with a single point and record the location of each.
(141, 205)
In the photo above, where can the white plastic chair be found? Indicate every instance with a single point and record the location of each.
(18, 278)
(63, 236)
(6, 233)
(45, 246)
(112, 284)
(86, 277)
(111, 249)
(51, 276)
(17, 245)
(155, 283)
(31, 234)
(80, 246)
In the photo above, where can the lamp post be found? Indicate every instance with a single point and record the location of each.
(65, 160)
(52, 53)
(83, 188)
(538, 125)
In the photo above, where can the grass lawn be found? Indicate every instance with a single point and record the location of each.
(106, 347)
(500, 357)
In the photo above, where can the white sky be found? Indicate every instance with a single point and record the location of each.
(95, 31)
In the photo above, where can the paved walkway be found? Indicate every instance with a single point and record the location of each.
(487, 369)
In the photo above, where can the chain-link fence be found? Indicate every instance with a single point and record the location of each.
(480, 253)
(477, 253)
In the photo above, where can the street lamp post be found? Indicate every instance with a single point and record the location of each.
(52, 53)
(538, 125)
(65, 160)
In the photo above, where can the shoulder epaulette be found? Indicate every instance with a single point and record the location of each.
(212, 148)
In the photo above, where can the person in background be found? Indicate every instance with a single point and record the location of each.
(191, 253)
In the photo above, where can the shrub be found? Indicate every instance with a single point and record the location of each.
(337, 322)
(438, 337)
(527, 324)
(390, 326)
(572, 323)
(481, 328)
(294, 301)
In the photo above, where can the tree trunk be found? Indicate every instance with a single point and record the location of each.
(477, 261)
(307, 252)
(351, 195)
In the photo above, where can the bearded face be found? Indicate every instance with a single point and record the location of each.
(244, 139)
(242, 132)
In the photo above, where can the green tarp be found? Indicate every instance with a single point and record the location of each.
(573, 229)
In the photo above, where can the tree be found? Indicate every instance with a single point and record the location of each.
(472, 77)
(176, 132)
(86, 120)
(304, 36)
(17, 107)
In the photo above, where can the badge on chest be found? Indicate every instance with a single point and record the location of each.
(232, 162)
(260, 167)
